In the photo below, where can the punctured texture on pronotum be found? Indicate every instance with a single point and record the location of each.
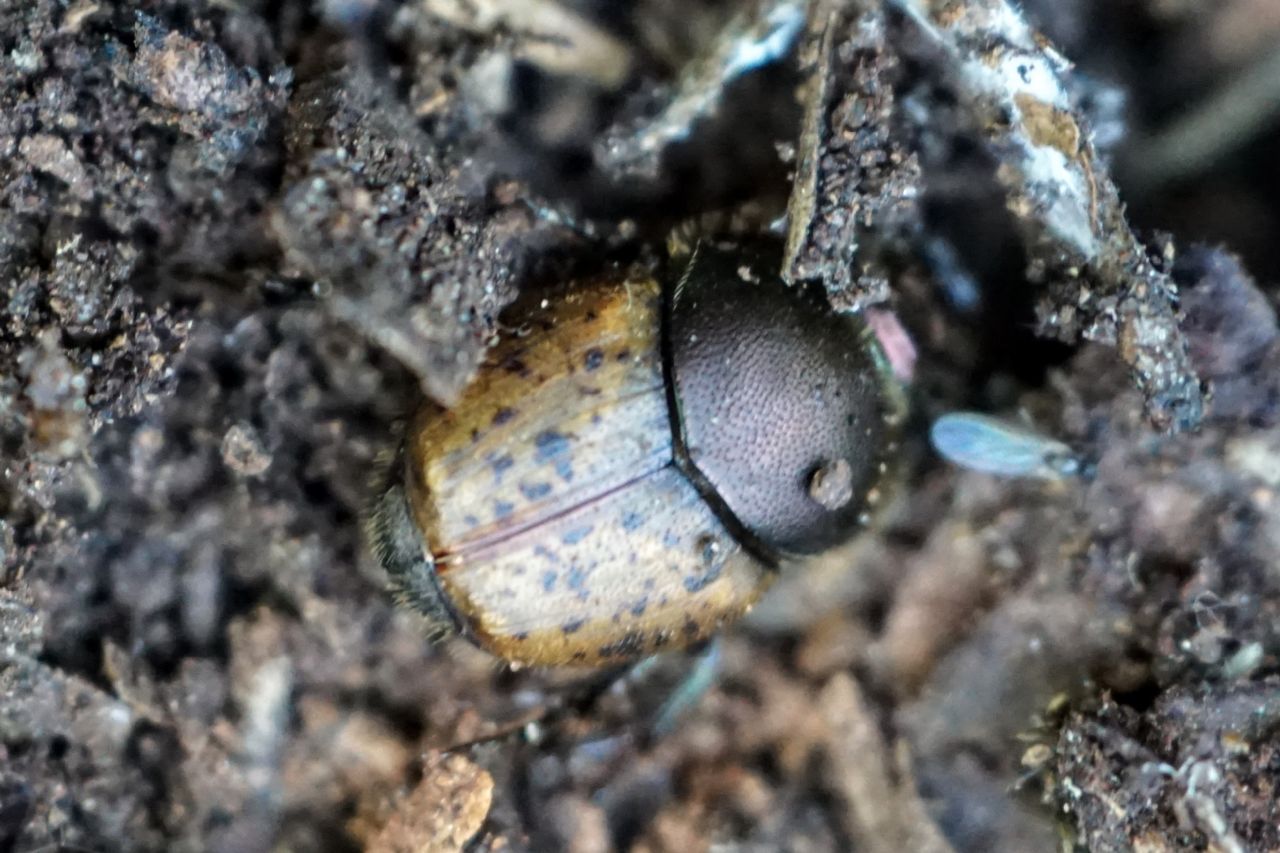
(634, 461)
(773, 391)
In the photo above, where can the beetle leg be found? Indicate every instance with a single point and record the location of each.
(685, 695)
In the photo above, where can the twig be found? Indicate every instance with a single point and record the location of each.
(759, 36)
(1103, 286)
(856, 186)
(871, 779)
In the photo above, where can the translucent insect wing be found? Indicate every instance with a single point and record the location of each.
(992, 446)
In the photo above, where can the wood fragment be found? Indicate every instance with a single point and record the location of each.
(1101, 284)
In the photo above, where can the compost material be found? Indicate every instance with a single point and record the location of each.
(239, 242)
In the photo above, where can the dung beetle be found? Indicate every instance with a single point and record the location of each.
(629, 470)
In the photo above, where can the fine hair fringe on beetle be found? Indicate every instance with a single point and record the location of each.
(628, 472)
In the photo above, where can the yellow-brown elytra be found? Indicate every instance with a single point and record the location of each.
(629, 470)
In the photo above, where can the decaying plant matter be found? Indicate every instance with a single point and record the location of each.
(239, 242)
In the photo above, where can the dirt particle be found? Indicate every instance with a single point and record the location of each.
(242, 451)
(442, 813)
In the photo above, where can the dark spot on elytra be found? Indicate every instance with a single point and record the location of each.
(549, 579)
(550, 445)
(503, 415)
(520, 636)
(697, 583)
(501, 509)
(577, 581)
(578, 656)
(595, 418)
(639, 606)
(624, 354)
(591, 316)
(499, 464)
(512, 364)
(631, 520)
(564, 470)
(534, 491)
(649, 584)
(475, 436)
(573, 537)
(691, 629)
(572, 626)
(594, 358)
(546, 554)
(670, 540)
(631, 645)
(471, 521)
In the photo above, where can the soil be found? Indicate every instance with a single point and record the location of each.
(240, 241)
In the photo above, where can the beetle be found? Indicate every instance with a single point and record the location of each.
(629, 471)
